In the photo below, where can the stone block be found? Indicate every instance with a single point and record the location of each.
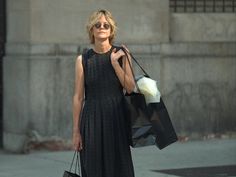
(203, 27)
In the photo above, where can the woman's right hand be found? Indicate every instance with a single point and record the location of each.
(77, 141)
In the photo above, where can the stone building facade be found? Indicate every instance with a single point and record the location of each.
(191, 55)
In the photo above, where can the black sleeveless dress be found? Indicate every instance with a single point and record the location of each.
(106, 151)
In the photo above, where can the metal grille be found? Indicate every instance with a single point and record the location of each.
(195, 6)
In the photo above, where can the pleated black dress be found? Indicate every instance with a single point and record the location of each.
(106, 151)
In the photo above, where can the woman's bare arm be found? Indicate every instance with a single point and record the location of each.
(124, 73)
(78, 94)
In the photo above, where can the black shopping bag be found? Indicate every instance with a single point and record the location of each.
(69, 173)
(147, 124)
(161, 123)
(139, 128)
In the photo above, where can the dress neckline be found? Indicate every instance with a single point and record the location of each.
(104, 52)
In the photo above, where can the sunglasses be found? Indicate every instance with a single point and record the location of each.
(99, 25)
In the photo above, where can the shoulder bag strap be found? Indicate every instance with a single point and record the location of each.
(132, 57)
(126, 53)
(127, 58)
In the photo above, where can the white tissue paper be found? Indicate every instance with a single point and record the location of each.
(148, 87)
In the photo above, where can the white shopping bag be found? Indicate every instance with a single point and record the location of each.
(149, 88)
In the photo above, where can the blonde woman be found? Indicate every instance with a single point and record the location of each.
(99, 128)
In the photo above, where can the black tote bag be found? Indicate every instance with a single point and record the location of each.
(161, 124)
(139, 127)
(69, 173)
(147, 124)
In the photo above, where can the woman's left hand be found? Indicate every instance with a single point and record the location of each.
(115, 55)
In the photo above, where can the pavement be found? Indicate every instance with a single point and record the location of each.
(208, 158)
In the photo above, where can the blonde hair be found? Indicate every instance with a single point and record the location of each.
(93, 19)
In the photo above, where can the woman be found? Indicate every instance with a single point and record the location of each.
(99, 130)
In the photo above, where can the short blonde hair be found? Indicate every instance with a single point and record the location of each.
(93, 19)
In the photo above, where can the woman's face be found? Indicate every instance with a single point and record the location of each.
(102, 29)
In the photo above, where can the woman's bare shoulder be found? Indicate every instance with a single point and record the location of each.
(78, 61)
(79, 58)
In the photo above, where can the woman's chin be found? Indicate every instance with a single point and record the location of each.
(102, 38)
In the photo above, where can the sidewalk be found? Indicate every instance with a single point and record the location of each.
(211, 158)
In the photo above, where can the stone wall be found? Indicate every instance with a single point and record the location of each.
(60, 21)
(192, 56)
(208, 27)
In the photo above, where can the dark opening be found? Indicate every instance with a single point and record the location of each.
(2, 53)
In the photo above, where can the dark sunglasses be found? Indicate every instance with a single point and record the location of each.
(99, 25)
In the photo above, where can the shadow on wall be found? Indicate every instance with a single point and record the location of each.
(202, 108)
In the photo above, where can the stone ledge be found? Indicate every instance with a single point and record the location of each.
(199, 49)
(164, 49)
(42, 49)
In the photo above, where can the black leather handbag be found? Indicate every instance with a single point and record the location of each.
(147, 124)
(69, 173)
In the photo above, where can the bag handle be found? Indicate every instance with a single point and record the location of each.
(76, 163)
(132, 57)
(126, 53)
